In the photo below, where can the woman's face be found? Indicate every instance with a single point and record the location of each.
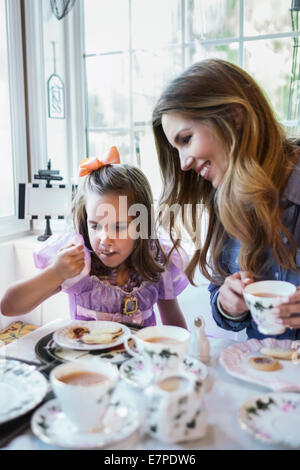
(109, 228)
(198, 147)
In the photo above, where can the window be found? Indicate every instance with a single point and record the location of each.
(7, 203)
(130, 56)
(12, 118)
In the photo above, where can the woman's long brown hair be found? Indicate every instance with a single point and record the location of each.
(246, 205)
(147, 257)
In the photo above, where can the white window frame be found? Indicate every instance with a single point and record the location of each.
(36, 91)
(75, 93)
(12, 225)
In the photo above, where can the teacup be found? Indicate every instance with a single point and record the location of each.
(83, 389)
(261, 297)
(175, 408)
(161, 347)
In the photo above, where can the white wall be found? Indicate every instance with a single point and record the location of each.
(17, 263)
(195, 301)
(7, 271)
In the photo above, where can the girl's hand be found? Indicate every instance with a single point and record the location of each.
(231, 293)
(69, 262)
(290, 306)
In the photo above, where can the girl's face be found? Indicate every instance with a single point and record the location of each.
(108, 228)
(199, 149)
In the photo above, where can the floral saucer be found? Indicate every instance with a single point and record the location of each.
(135, 372)
(235, 358)
(22, 388)
(51, 425)
(273, 418)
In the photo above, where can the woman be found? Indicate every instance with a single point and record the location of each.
(223, 153)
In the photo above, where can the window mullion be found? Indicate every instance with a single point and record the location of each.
(183, 33)
(241, 34)
(17, 98)
(36, 85)
(131, 117)
(76, 108)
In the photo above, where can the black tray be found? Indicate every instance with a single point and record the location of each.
(42, 352)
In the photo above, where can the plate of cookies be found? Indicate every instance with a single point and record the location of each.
(91, 335)
(272, 363)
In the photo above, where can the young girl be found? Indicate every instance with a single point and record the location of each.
(129, 273)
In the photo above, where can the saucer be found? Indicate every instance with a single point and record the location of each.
(51, 425)
(273, 418)
(22, 388)
(136, 374)
(235, 359)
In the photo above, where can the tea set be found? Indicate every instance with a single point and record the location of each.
(89, 412)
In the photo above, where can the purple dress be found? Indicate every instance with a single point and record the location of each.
(93, 299)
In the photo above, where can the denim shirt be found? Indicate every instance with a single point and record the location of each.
(229, 260)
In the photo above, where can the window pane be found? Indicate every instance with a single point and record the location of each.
(100, 142)
(106, 25)
(274, 79)
(211, 20)
(267, 16)
(151, 72)
(108, 91)
(155, 23)
(201, 51)
(6, 174)
(144, 140)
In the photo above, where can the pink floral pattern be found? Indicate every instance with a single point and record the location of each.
(234, 360)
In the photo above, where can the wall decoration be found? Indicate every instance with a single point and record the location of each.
(60, 8)
(56, 93)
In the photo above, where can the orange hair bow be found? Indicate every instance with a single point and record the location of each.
(88, 165)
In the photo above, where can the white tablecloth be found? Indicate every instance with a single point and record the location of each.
(224, 397)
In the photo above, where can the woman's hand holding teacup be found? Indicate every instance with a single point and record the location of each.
(231, 293)
(289, 307)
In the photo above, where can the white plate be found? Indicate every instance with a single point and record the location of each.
(273, 418)
(51, 425)
(61, 336)
(135, 373)
(22, 388)
(235, 360)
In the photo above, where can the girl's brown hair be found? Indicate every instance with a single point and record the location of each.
(246, 205)
(147, 258)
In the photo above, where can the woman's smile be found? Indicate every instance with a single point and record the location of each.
(204, 169)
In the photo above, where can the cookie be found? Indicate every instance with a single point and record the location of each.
(108, 330)
(267, 364)
(113, 329)
(98, 339)
(76, 332)
(280, 353)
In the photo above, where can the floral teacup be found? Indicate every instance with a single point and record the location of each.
(161, 348)
(261, 297)
(175, 409)
(84, 388)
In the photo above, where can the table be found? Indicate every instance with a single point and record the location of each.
(225, 394)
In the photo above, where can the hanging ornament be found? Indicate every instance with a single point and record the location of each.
(56, 93)
(60, 8)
